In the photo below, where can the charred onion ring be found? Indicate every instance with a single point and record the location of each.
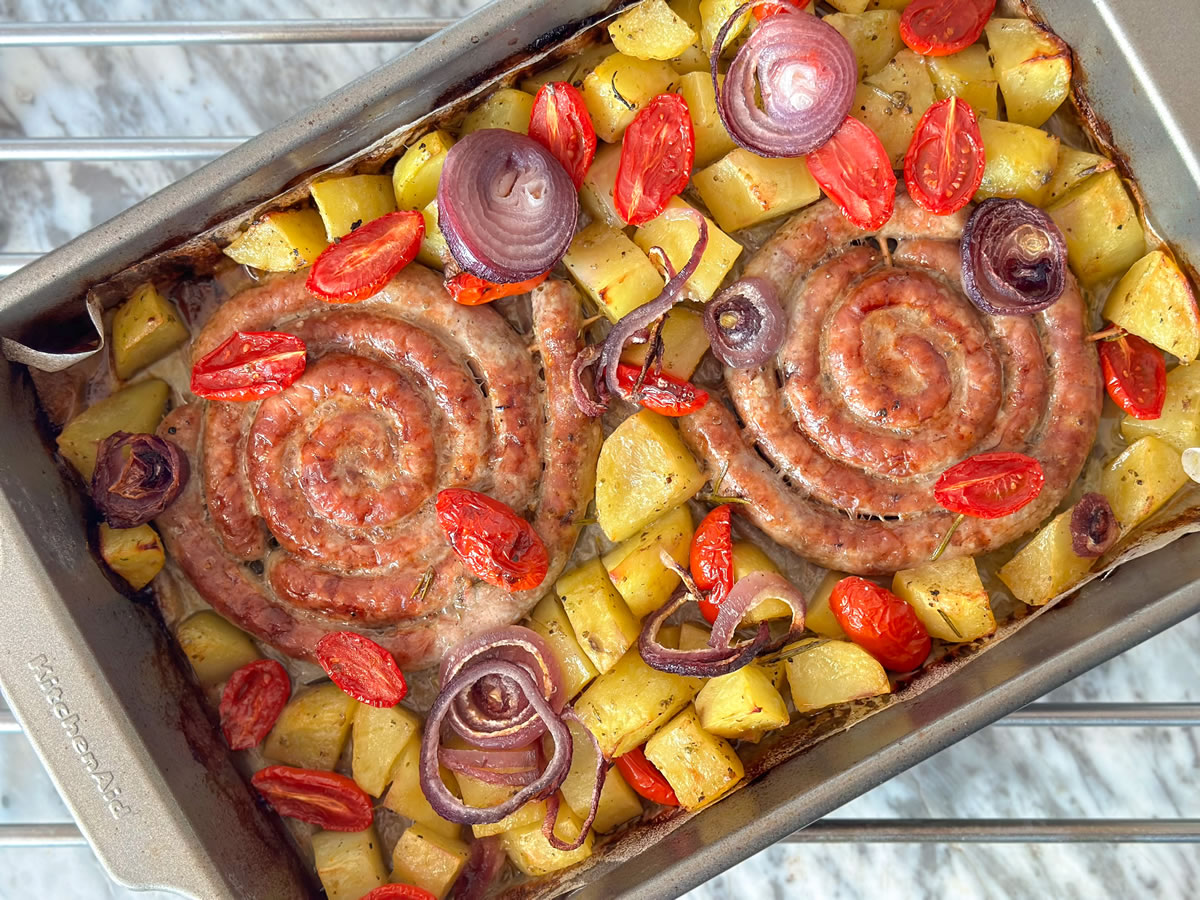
(137, 476)
(1014, 258)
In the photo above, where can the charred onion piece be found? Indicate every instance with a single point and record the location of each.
(587, 358)
(746, 594)
(790, 85)
(552, 802)
(507, 207)
(745, 323)
(1014, 258)
(1094, 528)
(705, 662)
(137, 476)
(483, 867)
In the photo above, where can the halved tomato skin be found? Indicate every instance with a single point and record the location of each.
(944, 165)
(1135, 375)
(853, 168)
(361, 263)
(943, 27)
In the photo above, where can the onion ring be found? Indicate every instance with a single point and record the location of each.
(1014, 258)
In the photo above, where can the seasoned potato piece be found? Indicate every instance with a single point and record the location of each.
(740, 703)
(1074, 167)
(712, 140)
(596, 192)
(281, 241)
(893, 100)
(530, 852)
(819, 617)
(1143, 478)
(1179, 424)
(602, 622)
(677, 237)
(1020, 161)
(612, 270)
(136, 554)
(619, 87)
(968, 75)
(1100, 223)
(434, 251)
(550, 621)
(1154, 301)
(312, 729)
(1033, 67)
(347, 202)
(480, 793)
(379, 736)
(874, 36)
(145, 328)
(429, 860)
(651, 30)
(215, 647)
(644, 471)
(684, 343)
(571, 70)
(692, 636)
(693, 59)
(822, 672)
(618, 801)
(748, 558)
(636, 568)
(887, 4)
(850, 6)
(349, 864)
(625, 706)
(948, 597)
(137, 409)
(714, 14)
(742, 189)
(1046, 566)
(507, 108)
(415, 178)
(700, 767)
(406, 798)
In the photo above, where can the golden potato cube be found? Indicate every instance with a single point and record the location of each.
(137, 409)
(1033, 67)
(1046, 566)
(1020, 161)
(379, 736)
(550, 621)
(968, 75)
(693, 59)
(819, 617)
(602, 622)
(651, 30)
(948, 597)
(347, 202)
(1179, 424)
(507, 108)
(481, 794)
(888, 4)
(874, 36)
(850, 6)
(742, 189)
(612, 270)
(415, 178)
(714, 14)
(684, 343)
(429, 860)
(136, 554)
(571, 70)
(893, 100)
(530, 852)
(748, 558)
(700, 767)
(636, 568)
(742, 702)
(1074, 167)
(822, 672)
(596, 192)
(712, 140)
(349, 864)
(1101, 226)
(145, 328)
(1143, 478)
(406, 798)
(677, 235)
(215, 647)
(692, 636)
(644, 471)
(626, 705)
(1154, 301)
(312, 729)
(619, 87)
(434, 251)
(281, 241)
(618, 801)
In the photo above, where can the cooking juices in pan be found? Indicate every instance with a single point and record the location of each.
(804, 319)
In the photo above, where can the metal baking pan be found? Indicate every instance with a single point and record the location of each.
(98, 689)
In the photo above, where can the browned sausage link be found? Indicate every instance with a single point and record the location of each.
(229, 500)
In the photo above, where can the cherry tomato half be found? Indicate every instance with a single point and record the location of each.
(853, 168)
(664, 394)
(772, 7)
(657, 154)
(492, 541)
(711, 559)
(881, 623)
(560, 123)
(250, 365)
(1135, 375)
(942, 27)
(643, 776)
(990, 485)
(332, 801)
(398, 892)
(362, 669)
(366, 259)
(253, 698)
(943, 167)
(471, 290)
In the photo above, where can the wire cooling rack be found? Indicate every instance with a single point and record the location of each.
(407, 30)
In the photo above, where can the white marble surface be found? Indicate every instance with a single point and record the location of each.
(1000, 772)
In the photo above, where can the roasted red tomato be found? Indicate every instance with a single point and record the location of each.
(331, 801)
(1135, 375)
(944, 164)
(492, 541)
(560, 123)
(881, 623)
(990, 485)
(398, 892)
(362, 669)
(253, 698)
(853, 168)
(471, 290)
(711, 559)
(942, 27)
(664, 394)
(645, 778)
(771, 7)
(657, 154)
(366, 259)
(250, 365)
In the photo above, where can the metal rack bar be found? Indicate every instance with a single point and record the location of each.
(65, 834)
(104, 149)
(283, 31)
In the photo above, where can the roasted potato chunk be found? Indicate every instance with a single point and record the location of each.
(603, 623)
(349, 864)
(1020, 161)
(434, 250)
(550, 621)
(1179, 424)
(714, 14)
(850, 6)
(819, 617)
(429, 860)
(700, 767)
(406, 798)
(740, 703)
(612, 270)
(215, 647)
(742, 189)
(596, 192)
(684, 343)
(507, 108)
(481, 794)
(137, 409)
(893, 100)
(281, 241)
(145, 328)
(415, 178)
(636, 568)
(967, 75)
(1046, 566)
(1154, 301)
(571, 70)
(874, 37)
(347, 202)
(1074, 167)
(712, 140)
(618, 801)
(748, 558)
(949, 599)
(1101, 226)
(530, 852)
(822, 672)
(677, 237)
(312, 729)
(1141, 480)
(619, 87)
(379, 736)
(1033, 68)
(651, 30)
(136, 554)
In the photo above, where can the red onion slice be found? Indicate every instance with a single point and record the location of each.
(745, 323)
(803, 70)
(519, 766)
(747, 593)
(483, 867)
(1094, 527)
(705, 662)
(1014, 258)
(137, 476)
(587, 358)
(552, 803)
(507, 207)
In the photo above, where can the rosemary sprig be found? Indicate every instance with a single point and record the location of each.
(950, 622)
(714, 496)
(422, 587)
